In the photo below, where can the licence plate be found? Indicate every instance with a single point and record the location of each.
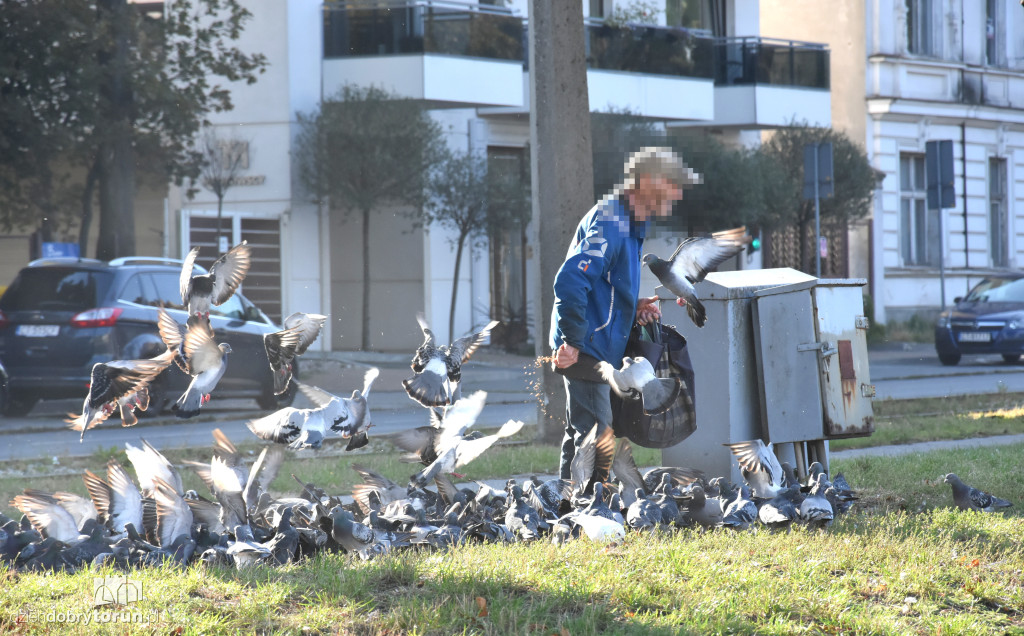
(975, 336)
(38, 331)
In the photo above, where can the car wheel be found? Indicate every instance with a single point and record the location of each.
(1010, 358)
(949, 359)
(18, 407)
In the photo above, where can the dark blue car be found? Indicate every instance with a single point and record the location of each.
(61, 316)
(989, 320)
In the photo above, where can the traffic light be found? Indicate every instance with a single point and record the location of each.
(755, 244)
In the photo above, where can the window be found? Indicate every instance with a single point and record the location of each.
(992, 49)
(132, 291)
(168, 290)
(920, 241)
(919, 27)
(998, 219)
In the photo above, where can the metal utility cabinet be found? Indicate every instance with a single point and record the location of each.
(783, 357)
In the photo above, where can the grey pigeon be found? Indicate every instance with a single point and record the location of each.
(704, 511)
(691, 262)
(46, 515)
(636, 380)
(349, 417)
(779, 511)
(759, 466)
(199, 291)
(300, 331)
(642, 513)
(206, 361)
(150, 464)
(174, 517)
(297, 428)
(438, 369)
(741, 511)
(970, 498)
(816, 510)
(593, 459)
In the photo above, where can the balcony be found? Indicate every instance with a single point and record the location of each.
(762, 82)
(445, 53)
(659, 72)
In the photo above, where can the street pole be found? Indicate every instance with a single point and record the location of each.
(817, 217)
(942, 262)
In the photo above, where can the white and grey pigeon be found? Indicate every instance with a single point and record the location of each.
(173, 515)
(760, 467)
(636, 380)
(151, 465)
(298, 428)
(970, 498)
(349, 417)
(206, 361)
(300, 331)
(199, 291)
(453, 448)
(46, 515)
(117, 499)
(438, 369)
(691, 262)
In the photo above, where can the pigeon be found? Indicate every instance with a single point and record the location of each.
(815, 509)
(705, 511)
(118, 383)
(206, 362)
(453, 449)
(691, 262)
(592, 460)
(760, 467)
(298, 428)
(642, 513)
(599, 529)
(116, 499)
(347, 417)
(741, 511)
(300, 330)
(173, 515)
(46, 515)
(438, 369)
(199, 291)
(636, 380)
(970, 498)
(779, 511)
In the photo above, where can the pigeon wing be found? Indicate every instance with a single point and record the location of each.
(615, 378)
(201, 352)
(464, 347)
(228, 272)
(624, 468)
(696, 256)
(186, 274)
(316, 395)
(309, 326)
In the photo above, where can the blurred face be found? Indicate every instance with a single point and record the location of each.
(653, 196)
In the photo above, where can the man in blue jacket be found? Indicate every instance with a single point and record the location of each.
(597, 287)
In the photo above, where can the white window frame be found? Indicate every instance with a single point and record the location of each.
(926, 39)
(998, 212)
(919, 243)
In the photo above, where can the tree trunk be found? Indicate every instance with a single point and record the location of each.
(455, 287)
(366, 280)
(117, 174)
(220, 220)
(87, 194)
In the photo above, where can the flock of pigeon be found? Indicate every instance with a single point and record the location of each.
(240, 523)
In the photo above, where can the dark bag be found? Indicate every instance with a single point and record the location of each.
(666, 350)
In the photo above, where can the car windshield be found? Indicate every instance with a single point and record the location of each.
(997, 290)
(56, 288)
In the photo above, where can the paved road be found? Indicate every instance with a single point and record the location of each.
(898, 372)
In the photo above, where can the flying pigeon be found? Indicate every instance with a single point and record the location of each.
(760, 467)
(970, 498)
(347, 417)
(298, 428)
(636, 380)
(452, 448)
(206, 362)
(691, 262)
(300, 330)
(199, 291)
(438, 369)
(117, 500)
(114, 384)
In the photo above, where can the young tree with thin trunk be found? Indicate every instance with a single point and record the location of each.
(223, 161)
(362, 149)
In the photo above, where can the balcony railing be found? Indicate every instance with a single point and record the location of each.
(751, 60)
(649, 49)
(422, 27)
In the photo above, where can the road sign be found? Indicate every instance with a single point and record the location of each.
(818, 167)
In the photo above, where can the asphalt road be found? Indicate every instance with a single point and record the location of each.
(898, 372)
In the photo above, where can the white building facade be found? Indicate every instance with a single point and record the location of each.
(944, 70)
(466, 62)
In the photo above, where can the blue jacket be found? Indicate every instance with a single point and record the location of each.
(597, 286)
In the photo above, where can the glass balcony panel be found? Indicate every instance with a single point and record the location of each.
(740, 61)
(648, 49)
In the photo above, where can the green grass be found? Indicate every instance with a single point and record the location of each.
(881, 570)
(925, 420)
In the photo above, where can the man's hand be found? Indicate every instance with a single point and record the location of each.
(566, 356)
(647, 310)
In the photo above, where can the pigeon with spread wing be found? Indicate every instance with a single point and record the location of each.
(200, 291)
(636, 381)
(691, 262)
(300, 330)
(438, 369)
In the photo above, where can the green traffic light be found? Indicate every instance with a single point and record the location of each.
(755, 244)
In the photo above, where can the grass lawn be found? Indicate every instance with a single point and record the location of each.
(886, 569)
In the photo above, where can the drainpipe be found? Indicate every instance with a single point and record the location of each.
(963, 189)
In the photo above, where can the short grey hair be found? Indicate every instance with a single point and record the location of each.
(659, 161)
